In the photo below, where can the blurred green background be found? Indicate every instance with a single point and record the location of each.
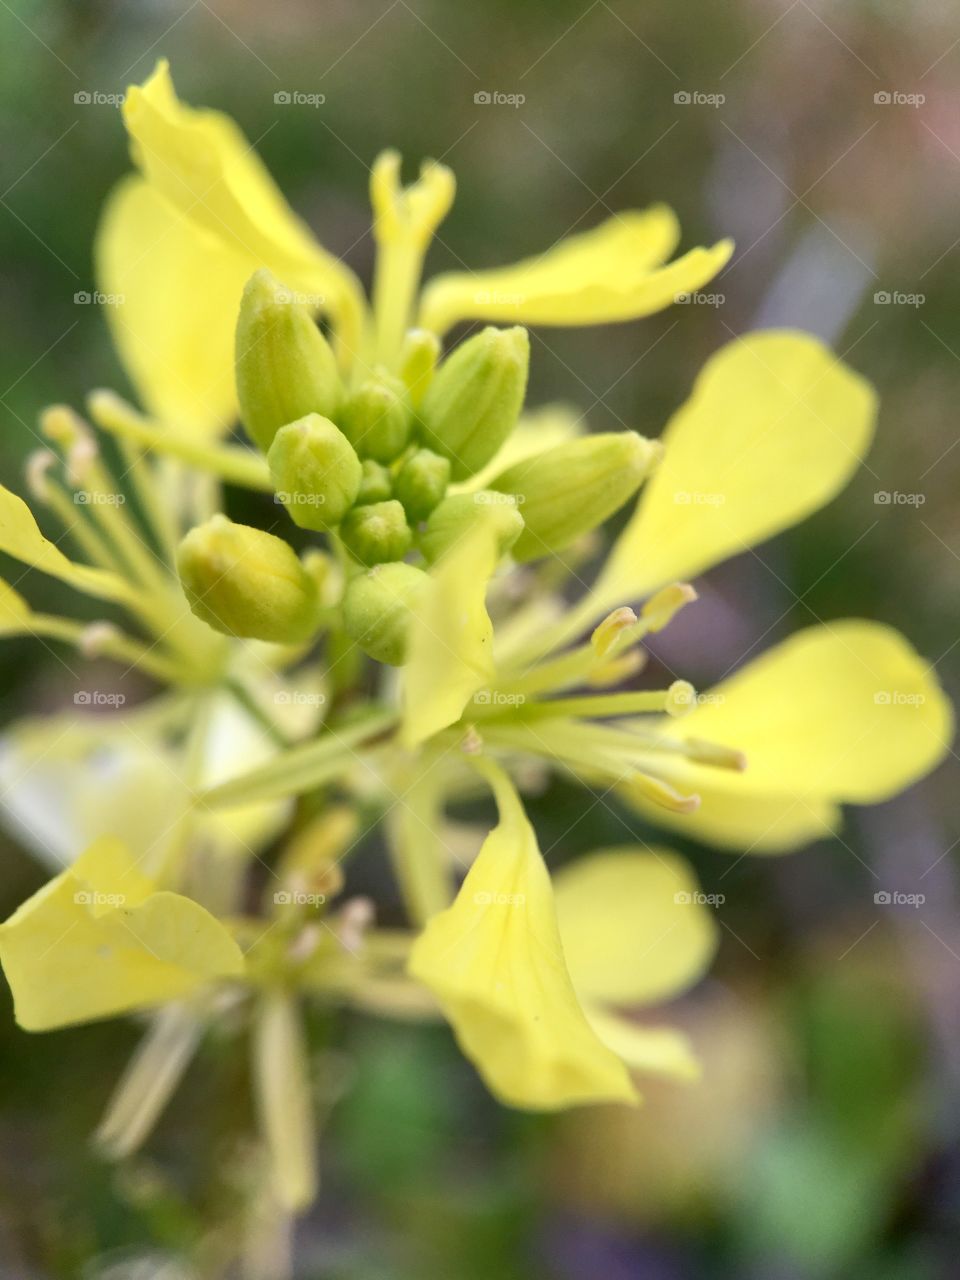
(824, 1139)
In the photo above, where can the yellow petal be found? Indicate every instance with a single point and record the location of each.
(15, 613)
(451, 636)
(495, 962)
(202, 163)
(632, 926)
(97, 941)
(177, 292)
(745, 821)
(775, 427)
(612, 272)
(657, 1051)
(842, 712)
(20, 537)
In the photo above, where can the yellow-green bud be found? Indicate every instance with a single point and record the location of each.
(455, 514)
(376, 533)
(316, 473)
(569, 490)
(377, 419)
(418, 362)
(422, 482)
(285, 367)
(375, 484)
(245, 582)
(475, 398)
(377, 608)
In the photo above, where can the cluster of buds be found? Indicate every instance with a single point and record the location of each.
(385, 461)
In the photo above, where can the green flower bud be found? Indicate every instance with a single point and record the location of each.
(455, 514)
(375, 484)
(418, 362)
(377, 419)
(421, 483)
(569, 490)
(473, 402)
(376, 533)
(245, 582)
(316, 473)
(284, 365)
(377, 608)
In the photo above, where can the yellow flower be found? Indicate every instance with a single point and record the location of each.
(528, 993)
(100, 939)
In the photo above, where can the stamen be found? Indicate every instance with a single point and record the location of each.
(662, 608)
(44, 488)
(663, 794)
(681, 698)
(232, 463)
(606, 634)
(714, 753)
(617, 670)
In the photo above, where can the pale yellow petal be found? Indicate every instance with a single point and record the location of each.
(656, 1051)
(634, 930)
(451, 636)
(612, 272)
(20, 537)
(98, 941)
(202, 163)
(174, 291)
(494, 960)
(775, 427)
(844, 712)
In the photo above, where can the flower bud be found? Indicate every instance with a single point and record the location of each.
(475, 398)
(569, 490)
(377, 609)
(418, 362)
(375, 483)
(421, 483)
(458, 512)
(376, 418)
(376, 533)
(245, 582)
(285, 367)
(316, 473)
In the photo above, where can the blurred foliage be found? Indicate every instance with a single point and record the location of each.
(823, 1140)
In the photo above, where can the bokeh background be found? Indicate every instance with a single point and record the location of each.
(825, 137)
